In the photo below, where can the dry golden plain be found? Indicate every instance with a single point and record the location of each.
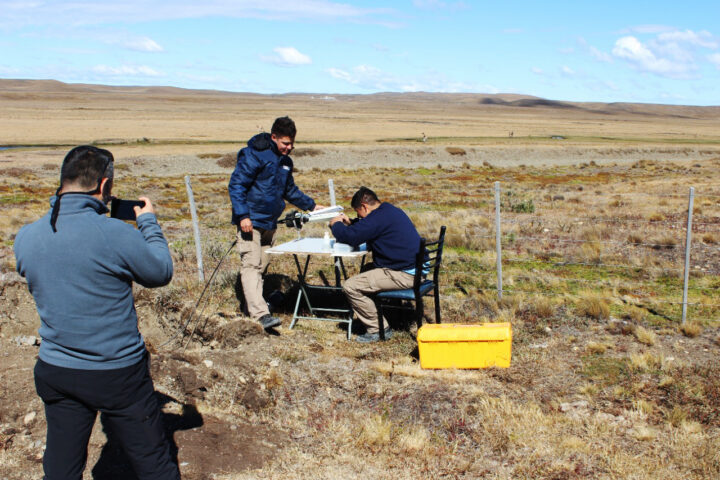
(349, 130)
(605, 382)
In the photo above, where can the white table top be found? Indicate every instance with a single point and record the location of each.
(315, 246)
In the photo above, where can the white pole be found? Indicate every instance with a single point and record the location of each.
(331, 187)
(687, 253)
(498, 244)
(196, 229)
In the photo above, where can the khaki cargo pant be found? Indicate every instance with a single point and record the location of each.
(359, 290)
(253, 260)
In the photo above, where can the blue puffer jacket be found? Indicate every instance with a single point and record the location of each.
(261, 180)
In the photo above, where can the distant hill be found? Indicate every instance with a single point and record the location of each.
(8, 87)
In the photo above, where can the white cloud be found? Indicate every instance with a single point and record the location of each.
(537, 71)
(671, 53)
(715, 59)
(340, 74)
(567, 71)
(374, 79)
(599, 55)
(648, 29)
(702, 39)
(9, 71)
(366, 76)
(439, 5)
(287, 57)
(641, 57)
(92, 12)
(142, 44)
(611, 85)
(127, 70)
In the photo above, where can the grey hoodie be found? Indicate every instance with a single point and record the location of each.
(81, 278)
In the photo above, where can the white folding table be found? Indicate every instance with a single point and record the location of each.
(318, 247)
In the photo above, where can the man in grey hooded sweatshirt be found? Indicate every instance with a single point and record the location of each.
(80, 265)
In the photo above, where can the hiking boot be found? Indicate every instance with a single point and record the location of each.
(268, 321)
(373, 337)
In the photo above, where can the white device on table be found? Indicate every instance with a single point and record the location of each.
(297, 219)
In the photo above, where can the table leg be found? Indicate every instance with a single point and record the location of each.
(295, 312)
(340, 273)
(338, 265)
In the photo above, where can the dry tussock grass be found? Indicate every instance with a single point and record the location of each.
(645, 336)
(369, 411)
(710, 238)
(597, 347)
(592, 305)
(691, 329)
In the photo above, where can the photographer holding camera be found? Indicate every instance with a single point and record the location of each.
(80, 265)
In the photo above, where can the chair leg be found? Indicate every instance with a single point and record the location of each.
(419, 310)
(437, 304)
(381, 322)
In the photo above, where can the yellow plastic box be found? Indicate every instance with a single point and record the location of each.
(449, 345)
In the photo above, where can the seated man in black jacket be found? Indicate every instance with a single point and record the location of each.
(393, 240)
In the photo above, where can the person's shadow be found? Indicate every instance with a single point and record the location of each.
(279, 290)
(113, 463)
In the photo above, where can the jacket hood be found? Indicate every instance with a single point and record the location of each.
(263, 141)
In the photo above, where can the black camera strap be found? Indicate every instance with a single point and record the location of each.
(56, 206)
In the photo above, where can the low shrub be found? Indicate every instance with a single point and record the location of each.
(455, 150)
(306, 152)
(227, 161)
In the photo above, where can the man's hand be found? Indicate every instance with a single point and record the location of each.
(148, 208)
(246, 225)
(340, 218)
(319, 207)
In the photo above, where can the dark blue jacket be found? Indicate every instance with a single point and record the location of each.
(81, 278)
(390, 236)
(261, 180)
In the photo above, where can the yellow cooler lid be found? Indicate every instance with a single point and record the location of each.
(457, 332)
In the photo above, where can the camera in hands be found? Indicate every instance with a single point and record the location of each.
(124, 209)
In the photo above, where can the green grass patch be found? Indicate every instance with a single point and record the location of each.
(18, 199)
(605, 370)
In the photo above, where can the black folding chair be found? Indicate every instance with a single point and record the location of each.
(428, 260)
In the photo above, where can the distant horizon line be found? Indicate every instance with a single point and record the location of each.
(520, 96)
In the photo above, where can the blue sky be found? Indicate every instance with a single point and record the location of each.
(611, 51)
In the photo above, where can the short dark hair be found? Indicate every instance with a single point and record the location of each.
(85, 166)
(284, 127)
(363, 195)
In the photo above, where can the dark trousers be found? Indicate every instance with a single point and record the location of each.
(125, 397)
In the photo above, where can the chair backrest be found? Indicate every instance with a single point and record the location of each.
(429, 257)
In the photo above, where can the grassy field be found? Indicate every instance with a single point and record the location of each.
(605, 381)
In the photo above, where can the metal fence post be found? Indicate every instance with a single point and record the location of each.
(498, 243)
(196, 229)
(687, 253)
(331, 188)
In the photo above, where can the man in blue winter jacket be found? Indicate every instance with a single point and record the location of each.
(393, 240)
(258, 188)
(80, 265)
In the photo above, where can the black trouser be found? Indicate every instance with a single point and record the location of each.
(125, 397)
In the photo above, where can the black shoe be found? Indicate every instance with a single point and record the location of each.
(373, 337)
(268, 321)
